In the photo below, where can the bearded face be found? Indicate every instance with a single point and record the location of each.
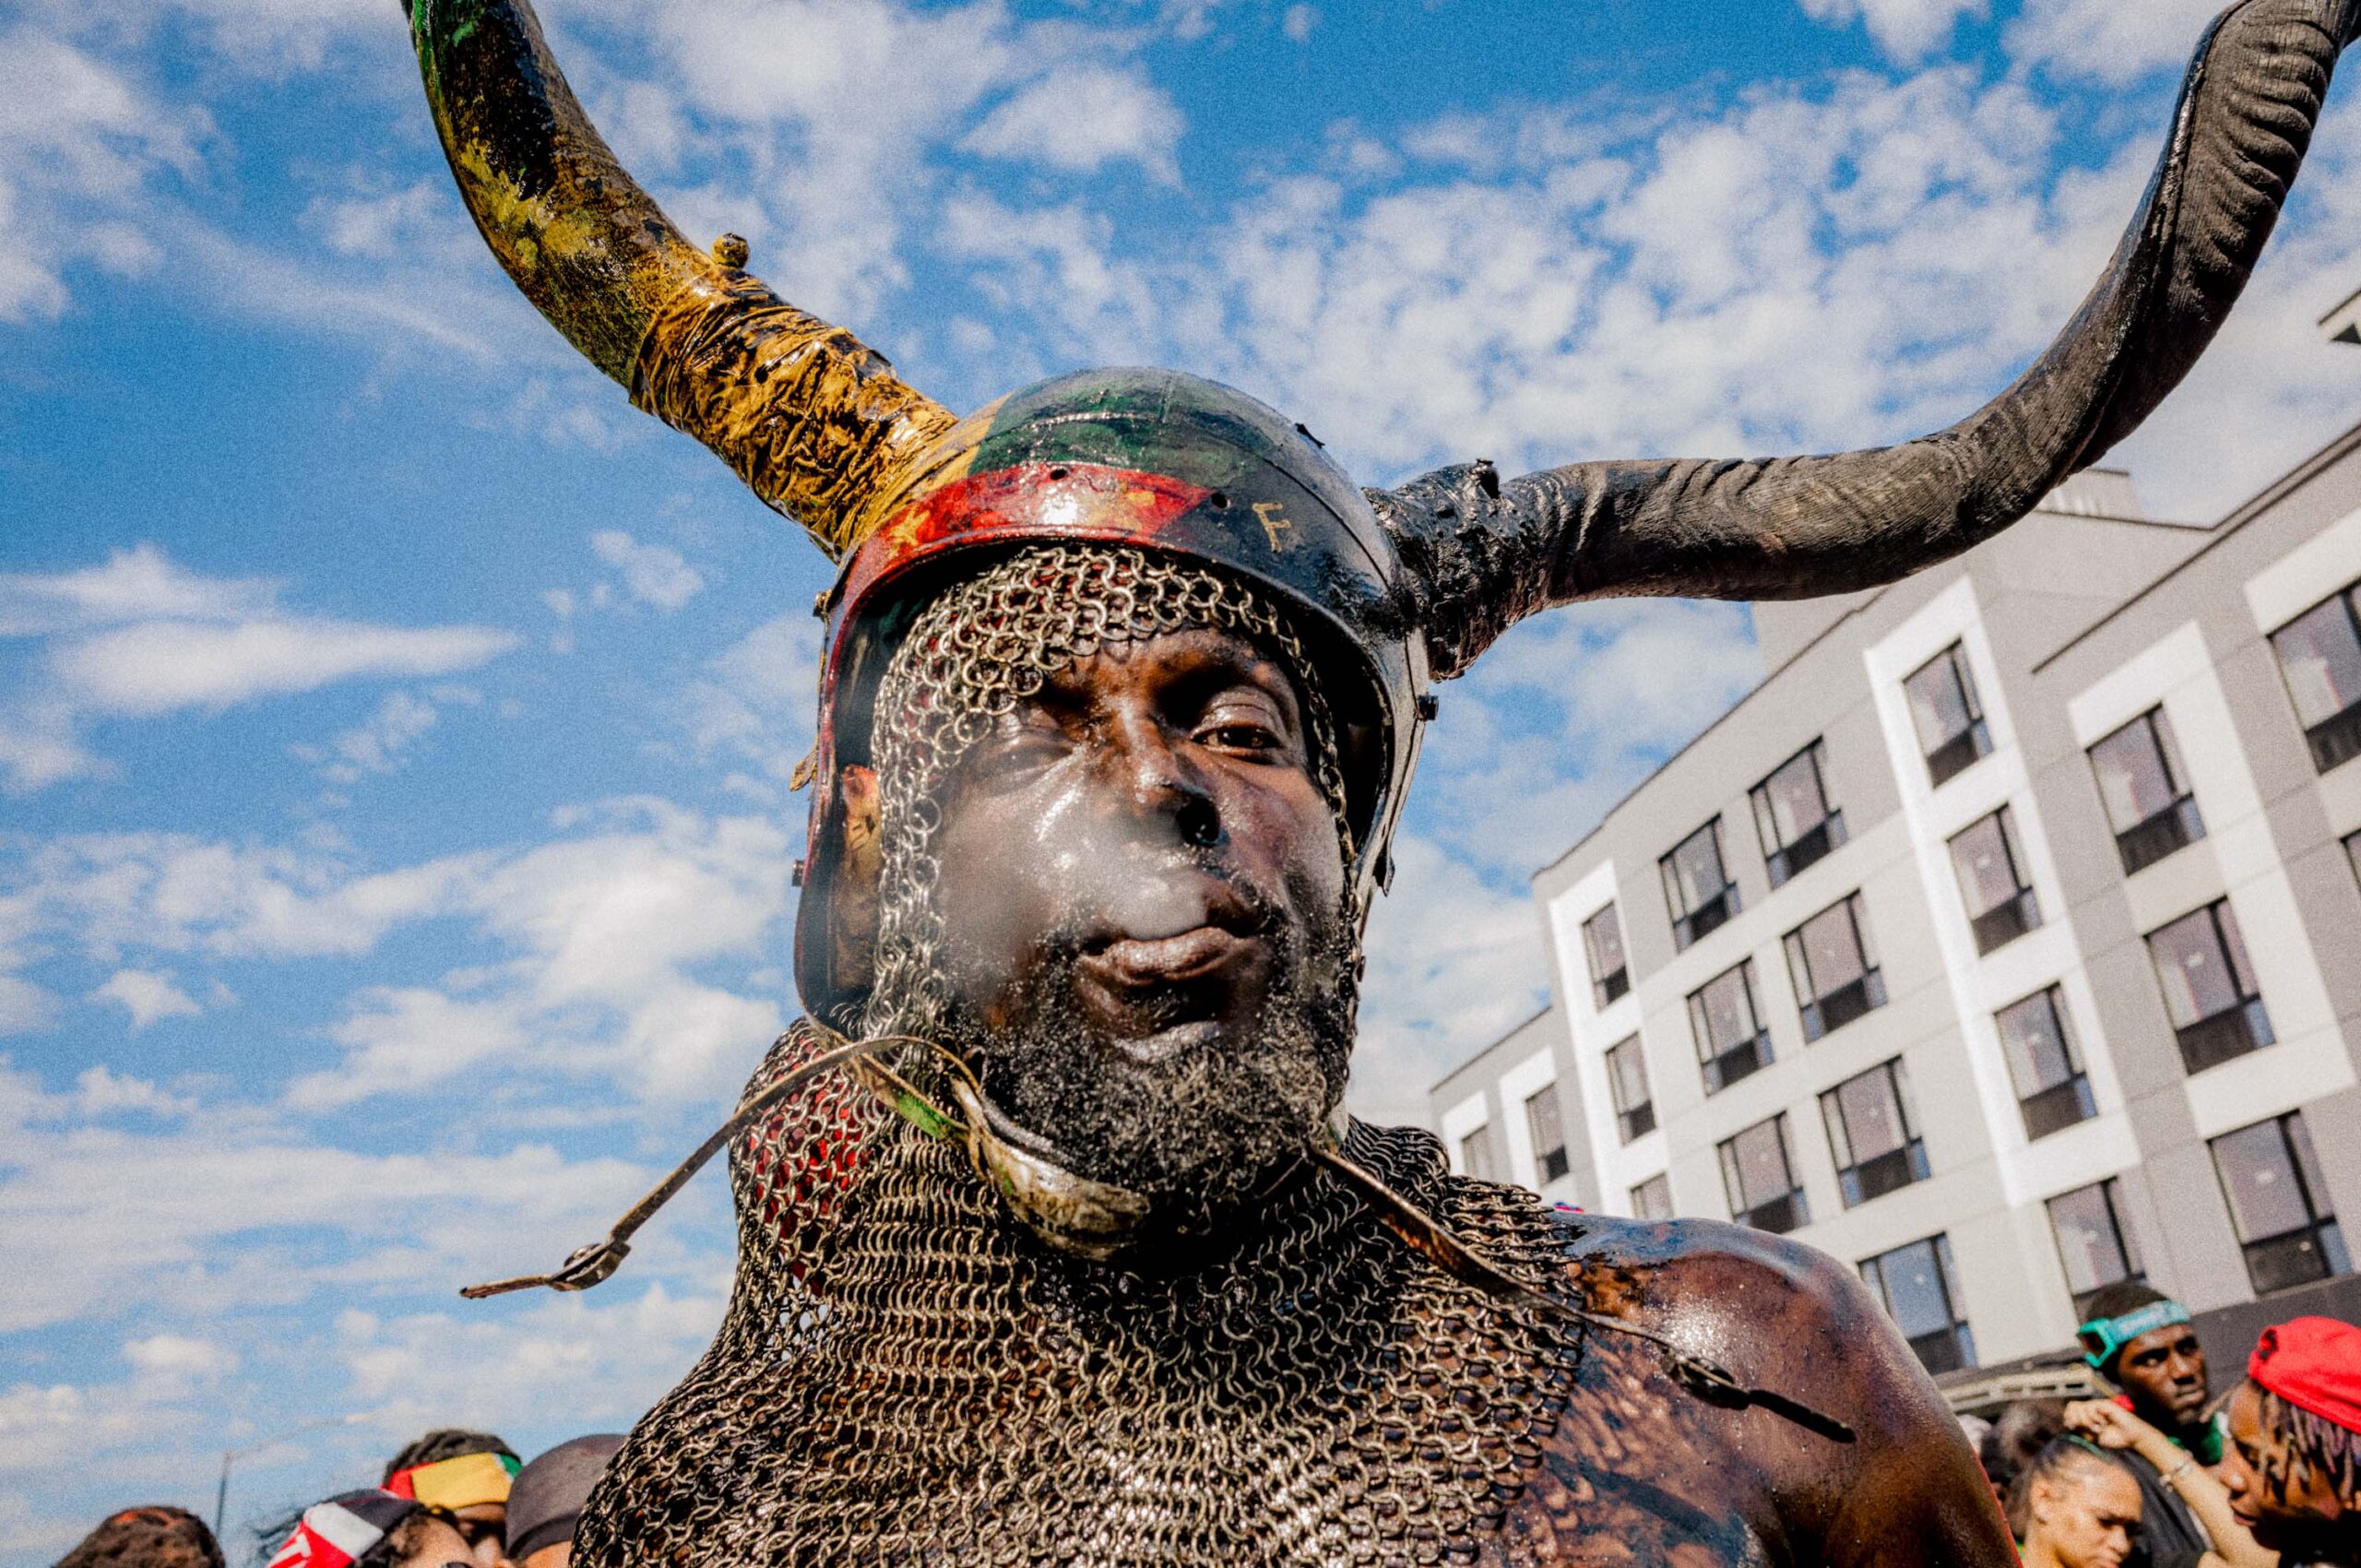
(1139, 924)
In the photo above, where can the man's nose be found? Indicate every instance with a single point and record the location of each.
(1159, 787)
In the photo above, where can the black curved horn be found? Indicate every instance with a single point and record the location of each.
(1482, 554)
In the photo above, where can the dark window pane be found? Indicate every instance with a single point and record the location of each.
(1627, 1080)
(1693, 871)
(1942, 699)
(1724, 1008)
(1652, 1199)
(2032, 1037)
(2135, 780)
(1603, 945)
(1793, 816)
(1476, 1154)
(1916, 1292)
(2209, 988)
(2322, 657)
(1546, 1121)
(1915, 1284)
(1730, 1042)
(2267, 1193)
(1984, 855)
(1759, 1179)
(1826, 951)
(1873, 1134)
(2055, 1109)
(2092, 1243)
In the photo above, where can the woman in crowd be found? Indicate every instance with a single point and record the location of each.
(2080, 1507)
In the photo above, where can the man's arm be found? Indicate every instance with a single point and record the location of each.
(1907, 1492)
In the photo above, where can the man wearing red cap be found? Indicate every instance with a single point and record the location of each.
(2294, 1468)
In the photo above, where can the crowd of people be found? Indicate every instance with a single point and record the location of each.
(453, 1499)
(2164, 1474)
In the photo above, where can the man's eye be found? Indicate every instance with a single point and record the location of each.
(1241, 736)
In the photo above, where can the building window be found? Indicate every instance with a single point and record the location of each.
(1627, 1081)
(1834, 971)
(2320, 654)
(1873, 1133)
(1761, 1181)
(1652, 1199)
(1547, 1123)
(1476, 1155)
(1699, 893)
(2146, 791)
(2092, 1242)
(2279, 1203)
(1610, 976)
(2210, 990)
(1950, 719)
(1919, 1285)
(1792, 814)
(2000, 905)
(2053, 1092)
(1731, 1041)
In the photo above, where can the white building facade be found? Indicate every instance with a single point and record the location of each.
(2004, 943)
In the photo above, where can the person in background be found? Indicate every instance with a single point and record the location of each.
(2141, 1340)
(2080, 1507)
(466, 1473)
(147, 1537)
(2294, 1470)
(2147, 1451)
(548, 1499)
(372, 1529)
(2022, 1431)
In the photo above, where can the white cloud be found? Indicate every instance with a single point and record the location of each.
(1083, 116)
(380, 743)
(141, 637)
(166, 666)
(79, 141)
(2107, 40)
(1907, 30)
(653, 574)
(755, 700)
(147, 996)
(100, 1091)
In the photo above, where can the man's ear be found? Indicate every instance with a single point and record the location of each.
(852, 915)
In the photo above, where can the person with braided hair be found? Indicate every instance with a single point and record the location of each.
(1055, 1245)
(147, 1537)
(2294, 1465)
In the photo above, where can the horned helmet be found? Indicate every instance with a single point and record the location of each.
(1398, 588)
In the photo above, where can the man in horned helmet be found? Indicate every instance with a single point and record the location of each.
(1075, 1260)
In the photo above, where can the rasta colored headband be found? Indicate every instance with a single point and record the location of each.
(460, 1483)
(2104, 1337)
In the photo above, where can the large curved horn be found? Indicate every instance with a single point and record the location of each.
(1482, 554)
(817, 424)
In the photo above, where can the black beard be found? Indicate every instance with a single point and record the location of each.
(1203, 1133)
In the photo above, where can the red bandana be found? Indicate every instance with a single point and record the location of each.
(2314, 1363)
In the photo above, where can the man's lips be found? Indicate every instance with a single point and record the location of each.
(1134, 963)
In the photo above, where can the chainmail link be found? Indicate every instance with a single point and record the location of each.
(907, 1375)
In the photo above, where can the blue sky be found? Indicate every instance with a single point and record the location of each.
(395, 728)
